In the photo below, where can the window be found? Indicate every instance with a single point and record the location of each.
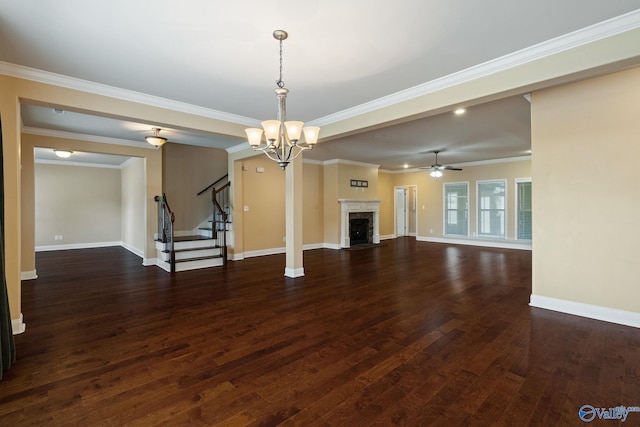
(491, 208)
(456, 209)
(523, 208)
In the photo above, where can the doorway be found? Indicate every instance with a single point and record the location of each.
(405, 211)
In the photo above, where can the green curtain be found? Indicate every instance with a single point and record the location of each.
(7, 345)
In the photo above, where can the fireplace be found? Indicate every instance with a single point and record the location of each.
(351, 209)
(358, 231)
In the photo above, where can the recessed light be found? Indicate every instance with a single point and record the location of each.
(406, 166)
(460, 111)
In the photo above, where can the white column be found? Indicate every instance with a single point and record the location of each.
(293, 217)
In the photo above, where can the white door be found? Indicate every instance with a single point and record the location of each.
(401, 212)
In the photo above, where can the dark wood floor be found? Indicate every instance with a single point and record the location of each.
(411, 333)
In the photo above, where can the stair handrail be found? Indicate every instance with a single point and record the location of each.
(219, 228)
(211, 185)
(166, 219)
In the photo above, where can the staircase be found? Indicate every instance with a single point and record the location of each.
(207, 248)
(191, 252)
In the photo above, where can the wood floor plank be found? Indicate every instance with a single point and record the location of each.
(411, 334)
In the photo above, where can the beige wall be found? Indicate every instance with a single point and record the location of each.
(133, 209)
(313, 204)
(586, 146)
(263, 194)
(186, 171)
(430, 195)
(13, 91)
(331, 206)
(385, 193)
(152, 169)
(82, 204)
(337, 185)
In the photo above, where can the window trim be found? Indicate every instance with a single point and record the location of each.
(517, 208)
(444, 208)
(503, 181)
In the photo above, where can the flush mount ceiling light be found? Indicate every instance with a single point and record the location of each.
(63, 153)
(156, 140)
(282, 137)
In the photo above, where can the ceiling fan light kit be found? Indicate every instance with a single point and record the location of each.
(437, 169)
(282, 137)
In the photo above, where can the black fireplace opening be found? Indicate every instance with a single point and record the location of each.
(358, 231)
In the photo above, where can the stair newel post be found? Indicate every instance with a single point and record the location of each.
(214, 223)
(172, 258)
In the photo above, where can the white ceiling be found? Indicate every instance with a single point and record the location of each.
(221, 57)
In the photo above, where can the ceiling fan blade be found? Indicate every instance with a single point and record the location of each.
(451, 168)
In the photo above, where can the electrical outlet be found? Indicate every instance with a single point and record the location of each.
(284, 238)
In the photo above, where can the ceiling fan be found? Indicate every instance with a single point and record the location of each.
(436, 169)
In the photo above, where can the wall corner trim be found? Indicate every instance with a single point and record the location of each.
(28, 275)
(18, 325)
(294, 272)
(606, 314)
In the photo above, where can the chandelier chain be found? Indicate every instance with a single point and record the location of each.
(280, 82)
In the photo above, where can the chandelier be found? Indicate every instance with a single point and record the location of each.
(282, 137)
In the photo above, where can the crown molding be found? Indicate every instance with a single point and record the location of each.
(467, 164)
(86, 137)
(398, 171)
(313, 162)
(494, 161)
(583, 36)
(349, 162)
(74, 163)
(237, 148)
(40, 76)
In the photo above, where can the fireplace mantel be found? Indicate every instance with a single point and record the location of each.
(356, 205)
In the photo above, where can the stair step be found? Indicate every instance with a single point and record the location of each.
(166, 251)
(190, 238)
(193, 264)
(198, 258)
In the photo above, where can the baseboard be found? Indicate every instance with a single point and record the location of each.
(77, 246)
(148, 262)
(28, 275)
(313, 246)
(612, 315)
(335, 246)
(263, 252)
(18, 325)
(294, 272)
(388, 237)
(236, 257)
(133, 250)
(503, 244)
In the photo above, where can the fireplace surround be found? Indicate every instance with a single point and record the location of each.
(348, 206)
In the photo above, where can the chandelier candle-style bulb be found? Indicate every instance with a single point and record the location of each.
(283, 138)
